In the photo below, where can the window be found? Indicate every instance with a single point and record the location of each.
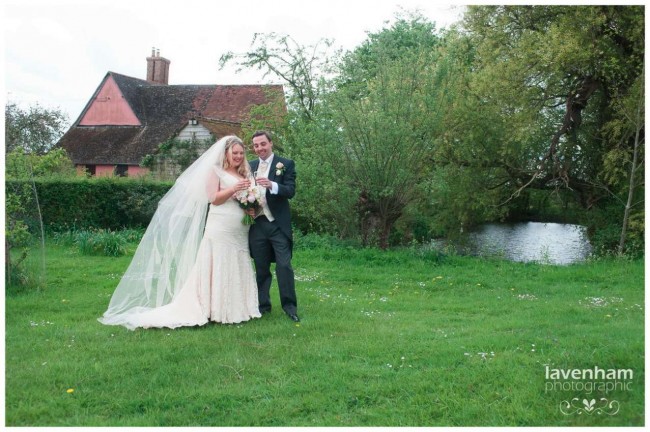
(121, 170)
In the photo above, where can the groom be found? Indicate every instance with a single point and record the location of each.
(270, 237)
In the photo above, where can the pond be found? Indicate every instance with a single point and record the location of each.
(550, 243)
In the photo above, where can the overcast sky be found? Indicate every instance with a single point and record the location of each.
(58, 51)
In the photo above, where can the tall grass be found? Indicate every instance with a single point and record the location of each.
(386, 339)
(99, 241)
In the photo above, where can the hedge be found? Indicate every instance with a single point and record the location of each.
(108, 203)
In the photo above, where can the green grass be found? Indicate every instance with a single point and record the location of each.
(386, 339)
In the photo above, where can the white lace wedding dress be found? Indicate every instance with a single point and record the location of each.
(221, 286)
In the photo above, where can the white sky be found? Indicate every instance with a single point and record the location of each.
(58, 51)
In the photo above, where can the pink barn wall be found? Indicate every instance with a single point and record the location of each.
(109, 170)
(109, 108)
(104, 170)
(136, 171)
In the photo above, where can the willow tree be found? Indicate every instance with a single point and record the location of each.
(547, 79)
(555, 70)
(385, 142)
(361, 127)
(387, 106)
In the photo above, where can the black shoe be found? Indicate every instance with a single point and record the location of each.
(293, 316)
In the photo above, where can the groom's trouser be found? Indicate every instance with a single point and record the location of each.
(267, 241)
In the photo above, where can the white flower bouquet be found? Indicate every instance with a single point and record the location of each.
(251, 198)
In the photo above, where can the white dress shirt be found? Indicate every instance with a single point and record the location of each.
(274, 185)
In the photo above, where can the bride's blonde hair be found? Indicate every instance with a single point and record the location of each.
(244, 168)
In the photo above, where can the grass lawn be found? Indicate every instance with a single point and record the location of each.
(386, 339)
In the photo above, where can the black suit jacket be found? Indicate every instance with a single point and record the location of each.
(279, 203)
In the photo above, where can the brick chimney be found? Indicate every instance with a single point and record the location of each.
(157, 68)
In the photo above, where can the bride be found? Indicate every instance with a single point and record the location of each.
(189, 270)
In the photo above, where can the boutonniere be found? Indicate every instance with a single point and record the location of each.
(279, 169)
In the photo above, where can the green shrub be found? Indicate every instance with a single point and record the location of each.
(604, 228)
(427, 253)
(319, 241)
(101, 242)
(26, 270)
(54, 163)
(132, 235)
(63, 238)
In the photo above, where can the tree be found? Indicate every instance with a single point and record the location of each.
(35, 130)
(554, 72)
(410, 32)
(23, 219)
(55, 162)
(386, 139)
(29, 138)
(23, 214)
(510, 110)
(470, 166)
(627, 130)
(16, 230)
(533, 103)
(304, 69)
(360, 128)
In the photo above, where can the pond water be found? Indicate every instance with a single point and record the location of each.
(550, 243)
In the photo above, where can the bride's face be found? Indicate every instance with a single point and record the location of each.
(236, 156)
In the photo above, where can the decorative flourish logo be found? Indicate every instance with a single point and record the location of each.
(603, 406)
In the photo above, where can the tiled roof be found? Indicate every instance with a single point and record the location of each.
(163, 110)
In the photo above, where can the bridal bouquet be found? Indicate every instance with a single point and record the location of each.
(250, 198)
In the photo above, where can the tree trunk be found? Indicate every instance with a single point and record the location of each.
(630, 192)
(383, 238)
(7, 263)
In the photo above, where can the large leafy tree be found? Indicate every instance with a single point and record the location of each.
(387, 106)
(361, 126)
(460, 127)
(554, 72)
(544, 84)
(33, 130)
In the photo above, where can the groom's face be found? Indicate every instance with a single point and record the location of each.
(262, 146)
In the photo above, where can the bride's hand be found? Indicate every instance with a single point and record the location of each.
(241, 185)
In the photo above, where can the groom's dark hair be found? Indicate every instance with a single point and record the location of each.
(262, 132)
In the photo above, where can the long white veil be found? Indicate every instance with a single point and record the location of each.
(167, 251)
